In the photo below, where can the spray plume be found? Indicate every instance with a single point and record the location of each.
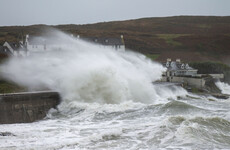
(84, 72)
(224, 87)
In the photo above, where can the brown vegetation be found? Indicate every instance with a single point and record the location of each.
(191, 38)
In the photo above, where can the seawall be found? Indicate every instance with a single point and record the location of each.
(26, 107)
(190, 81)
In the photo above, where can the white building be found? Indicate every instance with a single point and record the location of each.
(179, 72)
(40, 43)
(177, 68)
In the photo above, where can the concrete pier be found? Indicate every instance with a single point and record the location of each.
(26, 107)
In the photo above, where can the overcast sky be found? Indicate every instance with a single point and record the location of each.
(53, 12)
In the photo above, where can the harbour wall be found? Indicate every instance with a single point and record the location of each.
(26, 107)
(190, 81)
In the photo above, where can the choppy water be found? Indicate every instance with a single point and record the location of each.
(184, 123)
(109, 102)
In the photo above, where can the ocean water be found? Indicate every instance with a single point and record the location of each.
(110, 102)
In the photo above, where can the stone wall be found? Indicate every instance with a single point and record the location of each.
(193, 82)
(190, 81)
(26, 107)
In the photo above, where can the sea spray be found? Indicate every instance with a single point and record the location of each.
(84, 72)
(224, 87)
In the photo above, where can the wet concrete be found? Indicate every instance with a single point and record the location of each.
(26, 107)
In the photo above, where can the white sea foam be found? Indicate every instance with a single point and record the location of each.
(224, 87)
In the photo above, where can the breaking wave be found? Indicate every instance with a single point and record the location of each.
(224, 87)
(84, 72)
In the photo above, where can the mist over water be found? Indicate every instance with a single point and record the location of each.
(110, 102)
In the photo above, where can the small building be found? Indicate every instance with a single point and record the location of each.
(179, 72)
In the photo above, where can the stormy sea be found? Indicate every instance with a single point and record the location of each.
(110, 101)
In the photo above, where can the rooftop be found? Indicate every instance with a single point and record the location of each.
(177, 65)
(14, 45)
(4, 50)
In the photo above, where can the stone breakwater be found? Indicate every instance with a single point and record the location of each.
(26, 107)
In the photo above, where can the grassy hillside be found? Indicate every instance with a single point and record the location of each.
(191, 38)
(7, 86)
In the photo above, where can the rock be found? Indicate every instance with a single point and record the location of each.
(6, 134)
(211, 86)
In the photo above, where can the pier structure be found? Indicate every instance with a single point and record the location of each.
(26, 107)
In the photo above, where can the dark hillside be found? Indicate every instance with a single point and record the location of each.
(191, 38)
(212, 68)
